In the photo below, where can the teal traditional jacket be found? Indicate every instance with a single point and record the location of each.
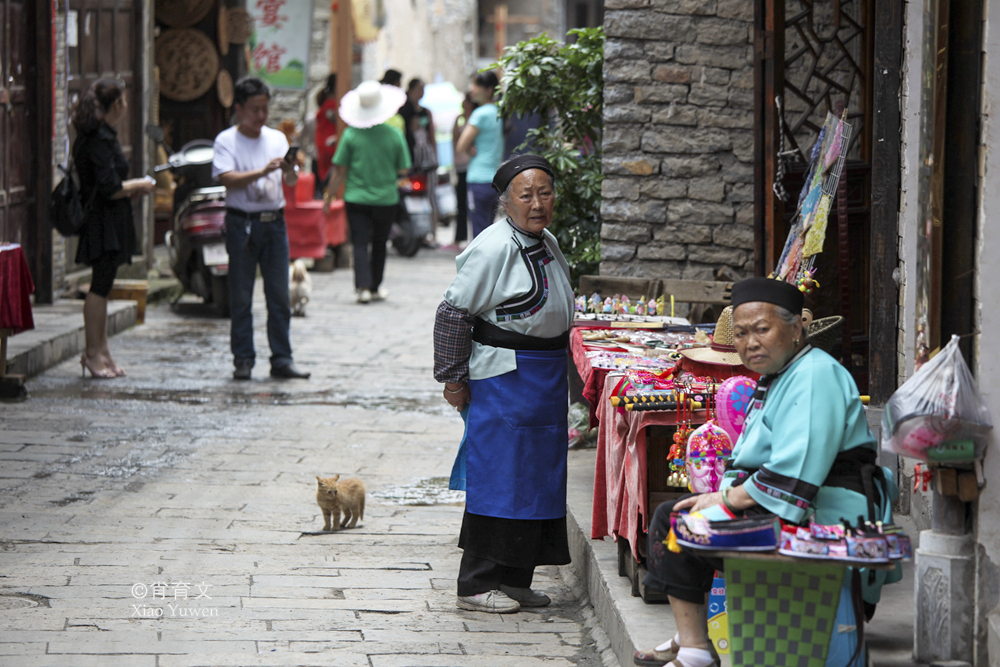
(808, 415)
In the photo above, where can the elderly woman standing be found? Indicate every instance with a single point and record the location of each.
(500, 340)
(805, 451)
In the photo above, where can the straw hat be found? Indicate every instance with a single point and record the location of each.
(370, 104)
(722, 352)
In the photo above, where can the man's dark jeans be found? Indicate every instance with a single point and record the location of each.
(370, 227)
(268, 247)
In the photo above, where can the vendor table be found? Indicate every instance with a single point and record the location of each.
(631, 472)
(16, 287)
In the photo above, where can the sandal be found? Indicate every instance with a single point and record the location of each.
(654, 658)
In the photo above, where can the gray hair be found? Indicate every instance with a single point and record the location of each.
(787, 316)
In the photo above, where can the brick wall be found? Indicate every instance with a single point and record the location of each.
(678, 138)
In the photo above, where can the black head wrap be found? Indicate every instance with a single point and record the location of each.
(767, 290)
(514, 166)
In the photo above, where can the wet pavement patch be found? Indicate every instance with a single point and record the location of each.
(10, 601)
(426, 491)
(73, 498)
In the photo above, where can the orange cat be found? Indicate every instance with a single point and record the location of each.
(333, 496)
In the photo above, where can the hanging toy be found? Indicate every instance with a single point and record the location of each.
(678, 451)
(806, 282)
(708, 450)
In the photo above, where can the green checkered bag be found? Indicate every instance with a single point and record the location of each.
(781, 615)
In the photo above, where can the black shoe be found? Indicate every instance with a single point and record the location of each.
(242, 371)
(289, 372)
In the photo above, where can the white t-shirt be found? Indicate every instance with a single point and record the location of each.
(237, 152)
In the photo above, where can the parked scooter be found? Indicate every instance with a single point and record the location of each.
(197, 241)
(414, 228)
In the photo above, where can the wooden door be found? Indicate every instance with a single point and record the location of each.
(107, 46)
(25, 135)
(814, 57)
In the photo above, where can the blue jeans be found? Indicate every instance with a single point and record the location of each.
(483, 205)
(268, 247)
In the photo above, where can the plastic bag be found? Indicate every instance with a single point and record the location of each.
(940, 403)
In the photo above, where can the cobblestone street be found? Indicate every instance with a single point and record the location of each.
(169, 519)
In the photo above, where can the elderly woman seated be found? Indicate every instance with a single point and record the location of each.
(805, 452)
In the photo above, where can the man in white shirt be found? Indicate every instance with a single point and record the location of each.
(250, 161)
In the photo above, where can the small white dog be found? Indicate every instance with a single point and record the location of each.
(299, 287)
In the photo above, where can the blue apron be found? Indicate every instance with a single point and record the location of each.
(516, 440)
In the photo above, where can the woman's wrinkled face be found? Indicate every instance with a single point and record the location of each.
(532, 199)
(763, 340)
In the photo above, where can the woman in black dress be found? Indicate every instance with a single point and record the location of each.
(107, 239)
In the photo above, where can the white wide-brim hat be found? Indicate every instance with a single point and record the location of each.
(371, 104)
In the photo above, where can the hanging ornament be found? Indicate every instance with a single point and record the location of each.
(806, 282)
(708, 450)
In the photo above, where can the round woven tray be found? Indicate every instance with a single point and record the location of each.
(824, 333)
(224, 87)
(188, 64)
(239, 25)
(182, 13)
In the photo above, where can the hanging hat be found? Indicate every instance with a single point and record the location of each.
(722, 352)
(370, 104)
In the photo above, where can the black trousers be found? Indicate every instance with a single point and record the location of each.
(477, 575)
(462, 216)
(370, 227)
(685, 575)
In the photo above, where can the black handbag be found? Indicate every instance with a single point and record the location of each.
(65, 210)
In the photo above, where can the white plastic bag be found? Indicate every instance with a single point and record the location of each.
(940, 403)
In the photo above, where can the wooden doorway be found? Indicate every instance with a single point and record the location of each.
(107, 44)
(813, 57)
(26, 135)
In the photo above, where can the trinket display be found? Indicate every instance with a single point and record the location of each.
(708, 450)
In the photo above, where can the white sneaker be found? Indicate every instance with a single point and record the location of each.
(364, 296)
(526, 597)
(493, 601)
(381, 295)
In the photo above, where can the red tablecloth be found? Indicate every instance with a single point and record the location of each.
(620, 491)
(16, 287)
(593, 378)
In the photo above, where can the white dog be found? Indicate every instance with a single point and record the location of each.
(299, 287)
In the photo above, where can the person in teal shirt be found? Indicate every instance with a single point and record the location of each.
(370, 158)
(482, 139)
(805, 453)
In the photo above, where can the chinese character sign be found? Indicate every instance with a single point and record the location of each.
(279, 46)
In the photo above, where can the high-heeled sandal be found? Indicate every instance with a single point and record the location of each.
(98, 373)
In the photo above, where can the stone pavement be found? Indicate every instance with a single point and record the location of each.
(168, 518)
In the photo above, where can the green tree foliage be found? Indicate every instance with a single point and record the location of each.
(564, 83)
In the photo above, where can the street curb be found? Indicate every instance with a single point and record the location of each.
(58, 335)
(628, 621)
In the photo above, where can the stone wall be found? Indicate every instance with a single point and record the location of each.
(678, 138)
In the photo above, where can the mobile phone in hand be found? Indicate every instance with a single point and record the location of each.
(292, 153)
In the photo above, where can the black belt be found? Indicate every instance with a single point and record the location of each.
(487, 333)
(856, 470)
(263, 216)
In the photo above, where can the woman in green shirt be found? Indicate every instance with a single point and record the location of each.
(369, 159)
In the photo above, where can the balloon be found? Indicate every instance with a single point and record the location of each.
(732, 401)
(708, 449)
